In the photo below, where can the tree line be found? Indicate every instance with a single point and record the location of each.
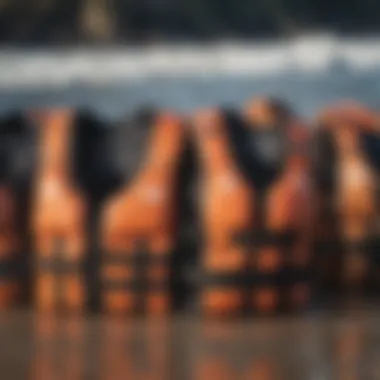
(30, 22)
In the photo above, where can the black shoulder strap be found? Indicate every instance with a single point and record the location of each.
(370, 143)
(129, 143)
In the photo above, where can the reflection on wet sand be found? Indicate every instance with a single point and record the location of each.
(129, 351)
(58, 349)
(267, 351)
(76, 349)
(47, 348)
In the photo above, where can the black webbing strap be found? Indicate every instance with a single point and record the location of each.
(210, 279)
(375, 252)
(139, 260)
(136, 259)
(328, 246)
(60, 266)
(12, 267)
(298, 275)
(239, 279)
(265, 279)
(135, 285)
(367, 246)
(264, 237)
(359, 247)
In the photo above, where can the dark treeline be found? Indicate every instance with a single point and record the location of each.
(31, 22)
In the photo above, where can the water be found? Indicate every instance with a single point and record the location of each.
(307, 92)
(310, 72)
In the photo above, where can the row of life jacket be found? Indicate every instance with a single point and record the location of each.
(256, 199)
(134, 225)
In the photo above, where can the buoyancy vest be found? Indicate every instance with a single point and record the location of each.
(256, 219)
(58, 219)
(139, 222)
(349, 181)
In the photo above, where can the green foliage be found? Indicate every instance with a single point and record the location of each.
(118, 21)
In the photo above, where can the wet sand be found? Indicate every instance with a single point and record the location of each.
(316, 347)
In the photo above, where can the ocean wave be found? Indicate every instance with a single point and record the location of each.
(64, 68)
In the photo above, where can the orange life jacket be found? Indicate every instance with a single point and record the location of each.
(353, 198)
(58, 218)
(139, 224)
(262, 235)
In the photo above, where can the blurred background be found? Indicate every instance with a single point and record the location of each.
(118, 22)
(219, 51)
(111, 56)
